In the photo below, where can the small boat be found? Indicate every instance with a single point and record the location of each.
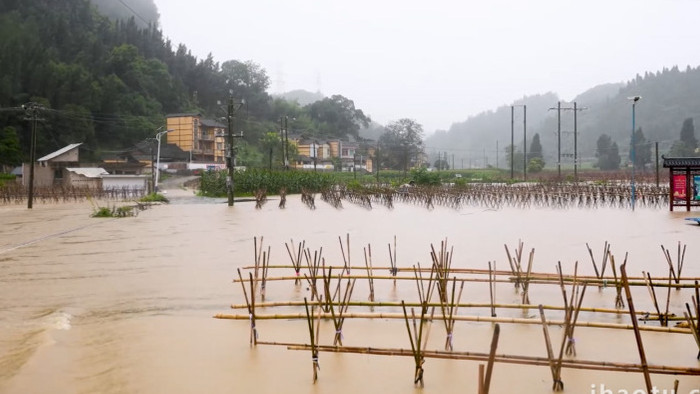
(696, 220)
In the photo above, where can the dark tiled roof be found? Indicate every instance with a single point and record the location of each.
(681, 162)
(195, 114)
(211, 123)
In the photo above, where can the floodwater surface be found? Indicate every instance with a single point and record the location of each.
(126, 305)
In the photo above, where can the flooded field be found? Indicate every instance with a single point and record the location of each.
(126, 305)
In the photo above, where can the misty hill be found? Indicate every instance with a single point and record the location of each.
(144, 12)
(302, 97)
(668, 97)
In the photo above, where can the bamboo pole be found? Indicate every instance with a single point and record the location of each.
(313, 334)
(368, 266)
(296, 262)
(492, 288)
(644, 315)
(533, 280)
(476, 319)
(503, 358)
(554, 366)
(637, 335)
(535, 275)
(491, 359)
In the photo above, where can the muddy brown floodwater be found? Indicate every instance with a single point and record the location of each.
(125, 305)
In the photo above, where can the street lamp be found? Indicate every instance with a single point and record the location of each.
(158, 137)
(632, 155)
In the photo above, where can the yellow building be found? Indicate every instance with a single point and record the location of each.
(329, 154)
(204, 139)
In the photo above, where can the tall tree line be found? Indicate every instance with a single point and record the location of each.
(110, 82)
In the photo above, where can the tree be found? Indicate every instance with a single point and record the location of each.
(607, 153)
(441, 164)
(10, 151)
(337, 117)
(536, 164)
(535, 150)
(401, 145)
(270, 142)
(688, 144)
(642, 149)
(517, 159)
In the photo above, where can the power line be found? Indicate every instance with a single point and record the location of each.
(134, 12)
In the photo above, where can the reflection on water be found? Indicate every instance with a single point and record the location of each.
(93, 305)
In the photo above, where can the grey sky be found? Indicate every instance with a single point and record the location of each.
(440, 61)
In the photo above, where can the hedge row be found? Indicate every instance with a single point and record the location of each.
(213, 184)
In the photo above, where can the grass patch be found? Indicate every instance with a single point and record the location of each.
(154, 197)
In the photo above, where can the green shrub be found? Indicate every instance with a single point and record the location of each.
(103, 212)
(154, 197)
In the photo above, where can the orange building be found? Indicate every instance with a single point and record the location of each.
(204, 139)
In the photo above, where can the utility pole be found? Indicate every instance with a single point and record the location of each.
(512, 141)
(497, 155)
(656, 150)
(286, 142)
(231, 158)
(376, 155)
(524, 142)
(153, 169)
(32, 112)
(559, 139)
(576, 109)
(229, 161)
(453, 161)
(354, 166)
(575, 144)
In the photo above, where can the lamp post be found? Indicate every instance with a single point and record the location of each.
(632, 149)
(158, 137)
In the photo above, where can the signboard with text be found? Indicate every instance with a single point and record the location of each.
(679, 192)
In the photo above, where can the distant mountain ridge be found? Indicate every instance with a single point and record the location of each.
(668, 98)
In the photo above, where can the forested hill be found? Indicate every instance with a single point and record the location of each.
(668, 98)
(109, 83)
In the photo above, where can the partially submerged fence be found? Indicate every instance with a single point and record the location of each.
(438, 301)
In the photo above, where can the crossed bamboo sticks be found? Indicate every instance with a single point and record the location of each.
(329, 301)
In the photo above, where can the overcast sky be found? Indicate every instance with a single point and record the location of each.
(440, 61)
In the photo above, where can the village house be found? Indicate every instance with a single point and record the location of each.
(203, 139)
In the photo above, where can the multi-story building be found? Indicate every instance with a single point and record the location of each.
(349, 156)
(204, 139)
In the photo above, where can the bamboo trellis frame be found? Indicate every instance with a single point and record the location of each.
(331, 302)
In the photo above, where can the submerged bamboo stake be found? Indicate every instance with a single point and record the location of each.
(491, 360)
(415, 337)
(393, 270)
(619, 303)
(606, 251)
(526, 282)
(554, 365)
(346, 261)
(250, 303)
(449, 311)
(492, 288)
(637, 335)
(313, 334)
(368, 265)
(296, 259)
